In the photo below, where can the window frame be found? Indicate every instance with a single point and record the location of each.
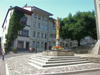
(20, 45)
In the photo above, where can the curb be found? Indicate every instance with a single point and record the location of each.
(7, 71)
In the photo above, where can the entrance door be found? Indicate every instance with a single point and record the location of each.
(45, 46)
(49, 47)
(27, 45)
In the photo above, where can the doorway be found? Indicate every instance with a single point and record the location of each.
(50, 47)
(45, 46)
(27, 45)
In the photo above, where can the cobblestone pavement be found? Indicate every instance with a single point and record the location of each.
(19, 65)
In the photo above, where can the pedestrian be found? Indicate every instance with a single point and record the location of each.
(31, 49)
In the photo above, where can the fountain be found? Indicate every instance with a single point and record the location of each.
(58, 50)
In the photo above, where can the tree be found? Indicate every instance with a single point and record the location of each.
(78, 26)
(14, 27)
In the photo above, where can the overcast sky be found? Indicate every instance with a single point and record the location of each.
(59, 8)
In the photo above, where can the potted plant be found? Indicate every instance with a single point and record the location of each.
(14, 50)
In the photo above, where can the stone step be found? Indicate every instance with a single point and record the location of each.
(53, 57)
(57, 64)
(56, 61)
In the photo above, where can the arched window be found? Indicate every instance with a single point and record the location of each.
(23, 20)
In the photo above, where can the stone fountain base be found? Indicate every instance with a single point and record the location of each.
(58, 53)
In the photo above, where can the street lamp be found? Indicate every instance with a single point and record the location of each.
(36, 45)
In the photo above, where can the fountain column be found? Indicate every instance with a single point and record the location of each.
(57, 32)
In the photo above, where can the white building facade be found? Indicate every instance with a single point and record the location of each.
(39, 31)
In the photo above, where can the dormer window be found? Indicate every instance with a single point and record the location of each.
(23, 20)
(35, 16)
(39, 17)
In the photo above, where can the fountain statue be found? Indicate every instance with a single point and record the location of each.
(57, 32)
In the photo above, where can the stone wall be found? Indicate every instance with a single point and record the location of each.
(83, 49)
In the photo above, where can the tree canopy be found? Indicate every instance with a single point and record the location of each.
(78, 26)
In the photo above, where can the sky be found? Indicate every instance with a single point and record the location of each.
(59, 8)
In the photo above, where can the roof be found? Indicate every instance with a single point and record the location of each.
(36, 8)
(19, 9)
(23, 10)
(52, 18)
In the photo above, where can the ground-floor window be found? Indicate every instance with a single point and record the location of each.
(38, 44)
(41, 44)
(20, 44)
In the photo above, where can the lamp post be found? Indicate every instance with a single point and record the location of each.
(36, 45)
(3, 53)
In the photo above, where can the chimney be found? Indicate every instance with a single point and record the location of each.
(10, 6)
(26, 5)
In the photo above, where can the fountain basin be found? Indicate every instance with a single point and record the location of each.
(58, 53)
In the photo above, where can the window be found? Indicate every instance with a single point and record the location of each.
(42, 18)
(5, 27)
(45, 27)
(23, 33)
(38, 44)
(35, 16)
(38, 25)
(38, 34)
(39, 17)
(34, 44)
(42, 35)
(49, 42)
(20, 44)
(6, 21)
(53, 27)
(19, 32)
(10, 14)
(41, 44)
(45, 36)
(42, 26)
(52, 35)
(34, 24)
(23, 20)
(34, 33)
(45, 19)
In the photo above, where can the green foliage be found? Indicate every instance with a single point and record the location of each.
(14, 27)
(14, 50)
(78, 26)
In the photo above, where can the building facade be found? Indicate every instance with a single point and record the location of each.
(39, 30)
